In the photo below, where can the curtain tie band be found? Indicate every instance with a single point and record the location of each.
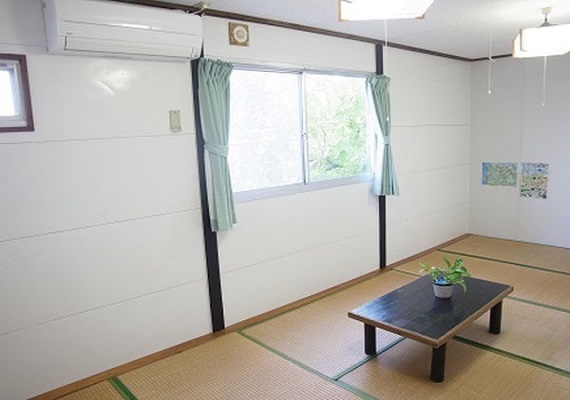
(217, 149)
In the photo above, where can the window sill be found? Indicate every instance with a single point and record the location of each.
(280, 191)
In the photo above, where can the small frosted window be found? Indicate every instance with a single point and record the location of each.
(15, 102)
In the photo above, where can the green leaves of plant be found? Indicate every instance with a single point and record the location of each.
(452, 273)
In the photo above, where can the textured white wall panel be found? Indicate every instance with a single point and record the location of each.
(277, 46)
(265, 286)
(430, 139)
(49, 277)
(512, 125)
(426, 148)
(409, 237)
(12, 28)
(426, 192)
(53, 354)
(57, 186)
(107, 98)
(427, 90)
(278, 227)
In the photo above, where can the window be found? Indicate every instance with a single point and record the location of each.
(15, 103)
(336, 126)
(294, 127)
(265, 126)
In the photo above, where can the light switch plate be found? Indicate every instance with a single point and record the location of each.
(175, 121)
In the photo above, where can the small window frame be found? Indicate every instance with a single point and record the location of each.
(24, 122)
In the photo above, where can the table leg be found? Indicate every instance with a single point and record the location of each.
(495, 319)
(438, 363)
(369, 339)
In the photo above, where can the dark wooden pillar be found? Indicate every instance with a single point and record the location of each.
(210, 238)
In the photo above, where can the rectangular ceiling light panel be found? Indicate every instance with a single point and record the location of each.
(547, 38)
(359, 10)
(542, 41)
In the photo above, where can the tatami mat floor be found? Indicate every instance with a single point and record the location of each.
(316, 352)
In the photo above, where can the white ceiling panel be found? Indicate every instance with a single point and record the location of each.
(458, 27)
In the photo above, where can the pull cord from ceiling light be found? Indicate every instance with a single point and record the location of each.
(545, 11)
(491, 61)
(544, 81)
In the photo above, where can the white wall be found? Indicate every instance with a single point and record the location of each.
(285, 47)
(511, 125)
(287, 248)
(430, 99)
(101, 248)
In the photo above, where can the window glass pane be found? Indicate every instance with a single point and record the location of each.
(336, 126)
(265, 126)
(15, 102)
(7, 106)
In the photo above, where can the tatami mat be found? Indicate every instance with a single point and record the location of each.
(554, 258)
(230, 367)
(544, 287)
(103, 390)
(532, 332)
(320, 335)
(471, 373)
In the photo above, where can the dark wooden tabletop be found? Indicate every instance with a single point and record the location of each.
(414, 312)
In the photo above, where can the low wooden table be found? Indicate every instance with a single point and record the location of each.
(414, 312)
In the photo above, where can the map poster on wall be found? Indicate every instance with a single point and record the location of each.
(534, 180)
(499, 174)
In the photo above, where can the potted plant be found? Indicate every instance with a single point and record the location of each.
(444, 278)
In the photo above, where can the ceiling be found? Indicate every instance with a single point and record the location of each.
(457, 27)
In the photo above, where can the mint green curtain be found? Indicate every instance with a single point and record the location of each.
(214, 96)
(377, 88)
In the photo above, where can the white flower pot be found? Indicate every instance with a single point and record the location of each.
(442, 291)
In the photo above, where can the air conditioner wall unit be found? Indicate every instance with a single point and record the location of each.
(91, 27)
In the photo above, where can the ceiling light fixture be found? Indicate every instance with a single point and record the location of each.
(542, 41)
(359, 10)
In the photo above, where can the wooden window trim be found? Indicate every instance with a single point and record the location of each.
(25, 93)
